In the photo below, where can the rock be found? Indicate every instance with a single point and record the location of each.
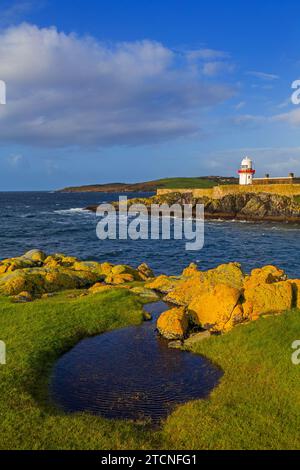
(123, 269)
(296, 292)
(191, 270)
(265, 275)
(60, 259)
(265, 299)
(175, 344)
(196, 337)
(36, 255)
(98, 288)
(214, 309)
(117, 279)
(200, 282)
(147, 316)
(144, 292)
(12, 264)
(163, 283)
(145, 272)
(23, 297)
(174, 323)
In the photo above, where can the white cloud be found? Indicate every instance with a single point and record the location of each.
(211, 69)
(292, 117)
(263, 75)
(207, 54)
(65, 90)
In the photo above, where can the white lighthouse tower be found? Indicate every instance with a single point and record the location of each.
(246, 171)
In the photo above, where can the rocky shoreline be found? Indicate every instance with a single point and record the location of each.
(201, 302)
(252, 207)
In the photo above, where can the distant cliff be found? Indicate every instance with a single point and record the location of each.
(245, 206)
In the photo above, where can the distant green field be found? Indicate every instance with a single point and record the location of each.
(196, 182)
(182, 183)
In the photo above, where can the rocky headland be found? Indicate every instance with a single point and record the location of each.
(245, 206)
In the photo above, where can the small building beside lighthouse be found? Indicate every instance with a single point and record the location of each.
(246, 171)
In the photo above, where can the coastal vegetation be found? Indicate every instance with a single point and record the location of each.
(256, 405)
(152, 186)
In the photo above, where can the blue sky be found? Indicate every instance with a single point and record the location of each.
(102, 91)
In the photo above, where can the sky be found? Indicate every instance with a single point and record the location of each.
(126, 91)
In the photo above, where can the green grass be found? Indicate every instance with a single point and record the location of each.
(297, 199)
(257, 404)
(183, 183)
(191, 183)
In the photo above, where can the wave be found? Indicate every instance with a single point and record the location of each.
(73, 210)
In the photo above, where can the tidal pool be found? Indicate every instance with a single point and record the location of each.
(131, 373)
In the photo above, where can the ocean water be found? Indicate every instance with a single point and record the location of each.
(56, 222)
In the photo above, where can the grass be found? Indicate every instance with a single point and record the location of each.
(297, 199)
(183, 183)
(257, 404)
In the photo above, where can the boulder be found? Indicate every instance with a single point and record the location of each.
(99, 288)
(196, 338)
(173, 324)
(117, 279)
(22, 298)
(191, 270)
(163, 283)
(36, 255)
(265, 299)
(217, 308)
(200, 282)
(146, 293)
(265, 275)
(145, 272)
(296, 292)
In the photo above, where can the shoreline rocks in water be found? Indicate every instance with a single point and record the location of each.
(260, 207)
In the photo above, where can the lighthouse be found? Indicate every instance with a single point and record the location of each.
(246, 171)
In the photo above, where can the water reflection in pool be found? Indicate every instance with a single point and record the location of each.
(131, 373)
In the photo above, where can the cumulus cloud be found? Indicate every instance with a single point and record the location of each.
(65, 90)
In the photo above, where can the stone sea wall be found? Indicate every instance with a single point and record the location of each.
(218, 192)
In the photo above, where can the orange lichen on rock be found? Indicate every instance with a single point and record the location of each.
(174, 323)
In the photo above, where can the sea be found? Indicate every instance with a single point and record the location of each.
(58, 222)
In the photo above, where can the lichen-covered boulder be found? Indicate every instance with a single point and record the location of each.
(12, 264)
(191, 270)
(265, 299)
(36, 255)
(59, 259)
(144, 292)
(296, 292)
(99, 288)
(264, 275)
(145, 272)
(173, 324)
(200, 282)
(22, 298)
(163, 283)
(217, 309)
(117, 279)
